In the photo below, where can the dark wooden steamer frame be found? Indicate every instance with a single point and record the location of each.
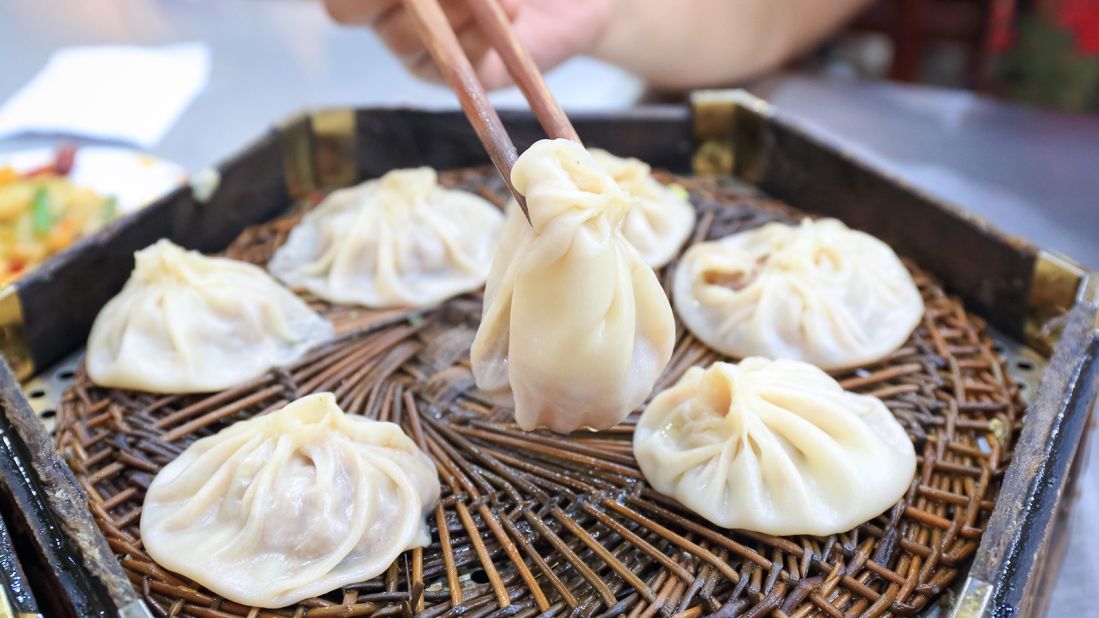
(1033, 297)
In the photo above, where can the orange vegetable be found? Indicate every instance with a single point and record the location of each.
(8, 175)
(61, 235)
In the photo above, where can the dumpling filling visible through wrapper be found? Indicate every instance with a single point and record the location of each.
(575, 324)
(291, 505)
(818, 292)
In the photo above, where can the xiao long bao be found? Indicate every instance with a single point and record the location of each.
(187, 323)
(817, 292)
(662, 217)
(777, 447)
(291, 505)
(398, 241)
(575, 324)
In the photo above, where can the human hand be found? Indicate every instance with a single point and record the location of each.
(552, 31)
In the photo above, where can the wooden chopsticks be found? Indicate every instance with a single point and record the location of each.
(494, 22)
(442, 44)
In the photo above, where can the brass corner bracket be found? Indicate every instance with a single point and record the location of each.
(973, 602)
(13, 337)
(319, 150)
(335, 137)
(1058, 283)
(728, 131)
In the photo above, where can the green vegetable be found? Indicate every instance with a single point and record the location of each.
(41, 220)
(110, 208)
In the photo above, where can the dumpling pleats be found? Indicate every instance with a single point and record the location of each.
(188, 323)
(575, 323)
(398, 241)
(775, 447)
(661, 218)
(817, 292)
(289, 506)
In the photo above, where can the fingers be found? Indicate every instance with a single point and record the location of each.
(359, 12)
(488, 64)
(397, 28)
(549, 32)
(470, 38)
(392, 22)
(492, 71)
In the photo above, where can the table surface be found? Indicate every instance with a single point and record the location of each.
(1034, 174)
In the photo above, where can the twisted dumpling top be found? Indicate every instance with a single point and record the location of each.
(575, 323)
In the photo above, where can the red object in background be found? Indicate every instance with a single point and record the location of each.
(1081, 18)
(979, 27)
(66, 156)
(1001, 26)
(61, 165)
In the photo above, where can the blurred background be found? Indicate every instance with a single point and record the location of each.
(903, 80)
(1040, 52)
(991, 104)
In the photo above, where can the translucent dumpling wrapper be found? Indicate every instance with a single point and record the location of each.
(575, 324)
(777, 447)
(291, 505)
(662, 216)
(187, 323)
(401, 240)
(818, 292)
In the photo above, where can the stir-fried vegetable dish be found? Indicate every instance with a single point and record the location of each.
(42, 212)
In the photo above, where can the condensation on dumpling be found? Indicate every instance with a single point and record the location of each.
(290, 505)
(777, 447)
(662, 216)
(185, 323)
(401, 240)
(818, 292)
(575, 325)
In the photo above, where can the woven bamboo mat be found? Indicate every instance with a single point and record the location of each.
(538, 523)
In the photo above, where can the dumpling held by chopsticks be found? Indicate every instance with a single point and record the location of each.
(575, 323)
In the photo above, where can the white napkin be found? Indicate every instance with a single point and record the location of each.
(122, 93)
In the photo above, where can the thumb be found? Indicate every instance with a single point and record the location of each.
(549, 34)
(494, 75)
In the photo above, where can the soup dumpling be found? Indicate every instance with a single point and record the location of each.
(777, 447)
(818, 292)
(401, 240)
(287, 506)
(662, 217)
(187, 323)
(575, 324)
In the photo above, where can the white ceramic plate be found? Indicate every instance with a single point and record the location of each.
(134, 178)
